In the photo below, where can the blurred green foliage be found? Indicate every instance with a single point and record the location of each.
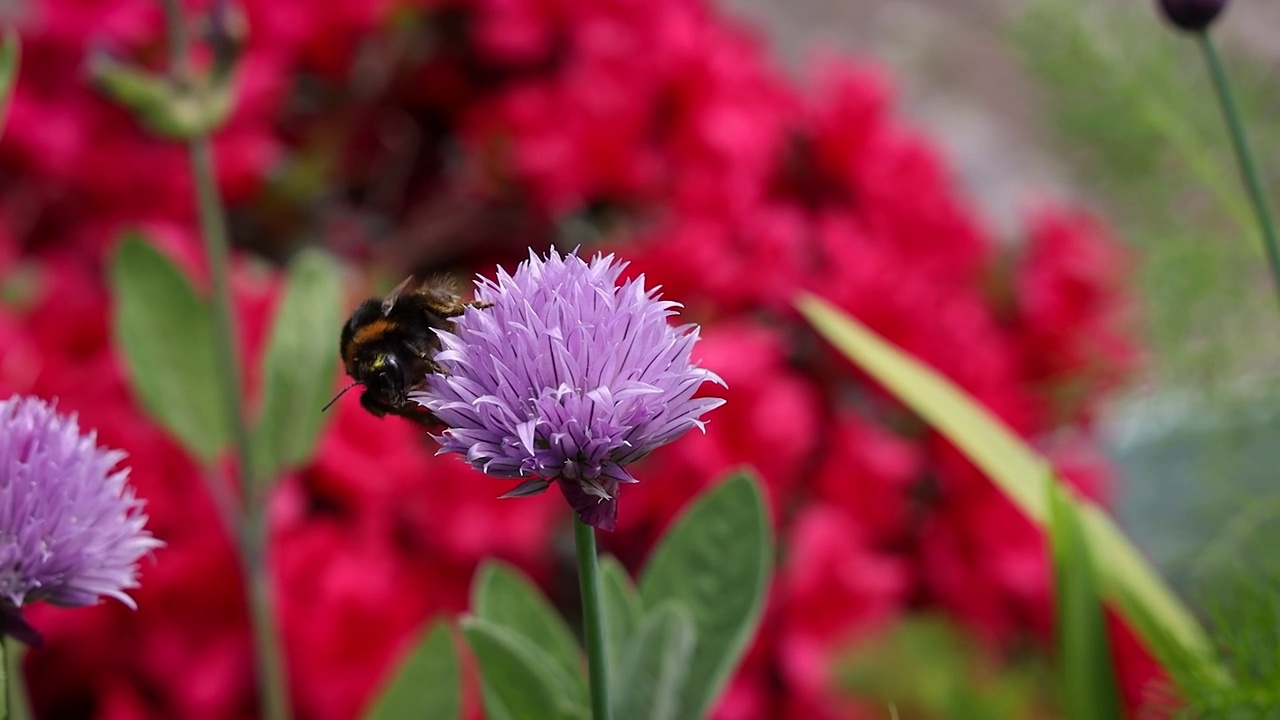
(10, 52)
(926, 667)
(1239, 589)
(1135, 120)
(1087, 680)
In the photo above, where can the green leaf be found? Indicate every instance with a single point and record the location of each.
(10, 59)
(166, 106)
(1018, 471)
(623, 612)
(504, 597)
(165, 332)
(298, 367)
(516, 679)
(428, 683)
(655, 666)
(716, 561)
(1088, 680)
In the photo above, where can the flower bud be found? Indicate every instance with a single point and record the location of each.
(1191, 15)
(226, 30)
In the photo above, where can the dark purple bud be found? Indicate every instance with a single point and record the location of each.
(1191, 15)
(227, 30)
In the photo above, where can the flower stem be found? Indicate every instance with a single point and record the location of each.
(592, 617)
(213, 229)
(271, 679)
(7, 680)
(1244, 155)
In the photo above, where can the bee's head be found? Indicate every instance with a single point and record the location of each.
(383, 377)
(384, 380)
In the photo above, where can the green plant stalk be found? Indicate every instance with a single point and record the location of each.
(8, 676)
(269, 666)
(252, 537)
(592, 617)
(15, 703)
(1244, 155)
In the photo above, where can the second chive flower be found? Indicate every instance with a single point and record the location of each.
(71, 530)
(568, 378)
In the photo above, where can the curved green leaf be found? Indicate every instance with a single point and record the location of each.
(517, 682)
(1022, 474)
(504, 597)
(428, 683)
(298, 367)
(715, 560)
(655, 666)
(165, 332)
(1084, 656)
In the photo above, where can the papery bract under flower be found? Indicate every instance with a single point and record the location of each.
(72, 529)
(567, 378)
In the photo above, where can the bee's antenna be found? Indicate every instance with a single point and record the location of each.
(341, 392)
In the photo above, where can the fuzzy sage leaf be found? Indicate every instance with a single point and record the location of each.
(504, 597)
(715, 560)
(428, 683)
(165, 332)
(655, 665)
(299, 365)
(517, 681)
(623, 612)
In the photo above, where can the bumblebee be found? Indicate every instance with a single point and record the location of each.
(389, 345)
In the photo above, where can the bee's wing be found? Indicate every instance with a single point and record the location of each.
(390, 300)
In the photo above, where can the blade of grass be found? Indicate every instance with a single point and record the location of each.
(1125, 578)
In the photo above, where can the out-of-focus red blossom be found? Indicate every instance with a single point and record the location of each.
(736, 190)
(838, 587)
(1070, 317)
(1143, 683)
(870, 473)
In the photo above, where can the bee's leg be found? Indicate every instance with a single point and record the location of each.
(433, 367)
(454, 309)
(416, 413)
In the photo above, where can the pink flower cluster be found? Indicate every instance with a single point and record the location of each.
(453, 133)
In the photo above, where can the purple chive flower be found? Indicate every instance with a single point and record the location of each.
(567, 379)
(71, 530)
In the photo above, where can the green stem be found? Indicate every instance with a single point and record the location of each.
(16, 704)
(272, 678)
(270, 668)
(270, 664)
(1244, 156)
(8, 676)
(592, 617)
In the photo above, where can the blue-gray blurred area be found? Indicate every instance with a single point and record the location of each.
(1200, 491)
